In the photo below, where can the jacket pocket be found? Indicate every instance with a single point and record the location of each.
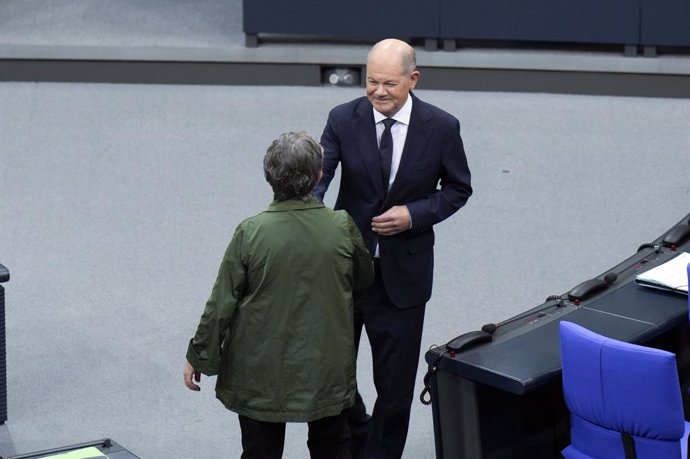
(423, 241)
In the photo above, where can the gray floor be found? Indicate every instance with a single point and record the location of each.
(117, 202)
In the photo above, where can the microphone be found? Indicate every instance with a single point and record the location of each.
(473, 338)
(489, 328)
(591, 287)
(648, 245)
(610, 278)
(484, 335)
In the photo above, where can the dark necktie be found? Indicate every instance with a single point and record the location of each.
(386, 151)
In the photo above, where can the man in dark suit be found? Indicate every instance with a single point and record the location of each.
(403, 170)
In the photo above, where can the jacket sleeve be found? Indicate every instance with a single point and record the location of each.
(331, 157)
(363, 265)
(455, 181)
(204, 351)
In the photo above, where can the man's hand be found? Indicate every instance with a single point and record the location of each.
(393, 221)
(189, 372)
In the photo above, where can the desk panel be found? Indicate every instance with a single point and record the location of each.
(658, 308)
(532, 358)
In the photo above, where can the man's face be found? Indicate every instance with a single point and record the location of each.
(388, 85)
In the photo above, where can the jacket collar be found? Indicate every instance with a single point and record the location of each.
(364, 126)
(418, 134)
(294, 204)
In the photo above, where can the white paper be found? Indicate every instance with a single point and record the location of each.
(672, 275)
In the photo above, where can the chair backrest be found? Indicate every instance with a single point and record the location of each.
(619, 394)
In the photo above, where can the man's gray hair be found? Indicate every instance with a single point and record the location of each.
(408, 57)
(409, 61)
(292, 165)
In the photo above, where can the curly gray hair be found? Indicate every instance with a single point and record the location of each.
(292, 165)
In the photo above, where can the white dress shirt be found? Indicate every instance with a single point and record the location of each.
(398, 132)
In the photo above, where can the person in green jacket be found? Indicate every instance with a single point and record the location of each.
(277, 328)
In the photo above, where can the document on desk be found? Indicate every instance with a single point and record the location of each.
(671, 276)
(84, 453)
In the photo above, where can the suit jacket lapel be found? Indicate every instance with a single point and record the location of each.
(363, 125)
(417, 136)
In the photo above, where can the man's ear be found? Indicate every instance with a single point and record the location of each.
(414, 78)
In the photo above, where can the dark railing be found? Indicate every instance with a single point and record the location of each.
(4, 277)
(632, 23)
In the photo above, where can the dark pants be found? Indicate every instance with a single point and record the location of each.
(328, 438)
(395, 336)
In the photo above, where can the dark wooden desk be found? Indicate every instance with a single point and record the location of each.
(503, 399)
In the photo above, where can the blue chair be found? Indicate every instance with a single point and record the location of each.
(624, 399)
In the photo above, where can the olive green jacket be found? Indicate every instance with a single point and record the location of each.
(277, 328)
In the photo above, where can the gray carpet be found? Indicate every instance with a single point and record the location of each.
(118, 201)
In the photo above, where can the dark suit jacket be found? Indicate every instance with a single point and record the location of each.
(433, 155)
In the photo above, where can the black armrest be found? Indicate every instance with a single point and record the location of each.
(4, 274)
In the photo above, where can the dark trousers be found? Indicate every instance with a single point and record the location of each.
(395, 336)
(328, 438)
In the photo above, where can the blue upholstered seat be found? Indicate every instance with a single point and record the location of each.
(613, 388)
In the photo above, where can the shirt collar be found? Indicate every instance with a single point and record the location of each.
(403, 115)
(294, 204)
